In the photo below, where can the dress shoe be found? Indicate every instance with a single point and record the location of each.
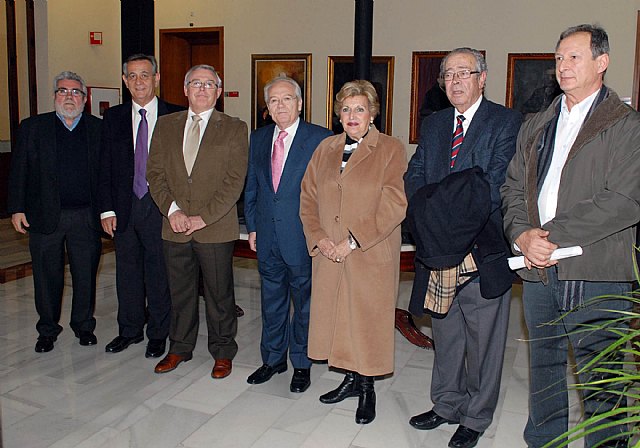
(120, 343)
(221, 369)
(45, 344)
(366, 411)
(300, 381)
(170, 362)
(406, 326)
(87, 338)
(155, 348)
(265, 372)
(464, 438)
(428, 420)
(348, 388)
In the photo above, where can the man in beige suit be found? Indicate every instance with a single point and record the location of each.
(196, 170)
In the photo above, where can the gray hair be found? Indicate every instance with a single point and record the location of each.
(481, 63)
(281, 78)
(141, 57)
(70, 76)
(203, 67)
(599, 38)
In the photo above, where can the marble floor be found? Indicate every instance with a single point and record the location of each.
(83, 397)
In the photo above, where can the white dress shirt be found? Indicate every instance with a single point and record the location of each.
(569, 124)
(468, 116)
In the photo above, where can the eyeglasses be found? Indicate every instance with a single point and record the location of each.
(62, 92)
(462, 74)
(285, 100)
(144, 76)
(197, 84)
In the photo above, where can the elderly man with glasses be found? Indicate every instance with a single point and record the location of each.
(52, 195)
(196, 170)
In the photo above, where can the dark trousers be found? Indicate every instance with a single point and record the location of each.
(281, 330)
(184, 260)
(141, 272)
(549, 351)
(467, 369)
(83, 247)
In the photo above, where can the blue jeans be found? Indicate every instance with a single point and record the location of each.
(548, 351)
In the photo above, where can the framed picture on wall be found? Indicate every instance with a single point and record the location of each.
(426, 94)
(531, 81)
(341, 69)
(99, 99)
(265, 67)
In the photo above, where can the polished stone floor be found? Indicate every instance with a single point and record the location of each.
(83, 397)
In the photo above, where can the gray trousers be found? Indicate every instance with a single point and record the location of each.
(469, 354)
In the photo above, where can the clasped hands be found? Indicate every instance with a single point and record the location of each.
(181, 223)
(536, 248)
(334, 252)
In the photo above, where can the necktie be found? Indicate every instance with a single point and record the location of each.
(277, 159)
(192, 143)
(456, 141)
(140, 158)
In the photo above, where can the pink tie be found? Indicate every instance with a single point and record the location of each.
(277, 159)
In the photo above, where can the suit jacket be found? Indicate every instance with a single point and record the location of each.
(273, 214)
(489, 143)
(33, 179)
(216, 180)
(117, 164)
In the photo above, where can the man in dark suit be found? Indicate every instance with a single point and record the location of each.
(196, 171)
(469, 324)
(278, 157)
(53, 186)
(129, 214)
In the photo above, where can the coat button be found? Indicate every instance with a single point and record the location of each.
(337, 219)
(189, 180)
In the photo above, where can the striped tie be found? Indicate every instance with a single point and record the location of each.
(456, 142)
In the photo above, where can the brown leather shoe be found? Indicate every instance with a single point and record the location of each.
(221, 369)
(170, 362)
(407, 328)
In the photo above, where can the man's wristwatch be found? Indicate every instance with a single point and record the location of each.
(352, 243)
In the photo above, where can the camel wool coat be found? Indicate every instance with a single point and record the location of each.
(353, 302)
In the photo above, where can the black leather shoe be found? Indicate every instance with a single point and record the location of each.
(45, 344)
(87, 338)
(348, 388)
(155, 348)
(264, 373)
(366, 411)
(120, 343)
(464, 438)
(428, 420)
(301, 380)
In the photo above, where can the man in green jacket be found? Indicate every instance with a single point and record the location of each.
(574, 182)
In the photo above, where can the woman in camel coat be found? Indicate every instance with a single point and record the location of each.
(351, 205)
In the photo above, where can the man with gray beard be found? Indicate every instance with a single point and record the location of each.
(52, 195)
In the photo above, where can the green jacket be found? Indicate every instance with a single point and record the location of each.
(598, 202)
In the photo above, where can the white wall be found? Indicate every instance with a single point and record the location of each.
(325, 27)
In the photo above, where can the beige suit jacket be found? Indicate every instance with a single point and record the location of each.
(216, 180)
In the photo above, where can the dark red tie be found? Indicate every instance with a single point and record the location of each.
(456, 142)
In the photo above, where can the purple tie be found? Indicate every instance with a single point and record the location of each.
(456, 141)
(141, 153)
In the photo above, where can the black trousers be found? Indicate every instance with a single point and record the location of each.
(83, 247)
(141, 273)
(184, 260)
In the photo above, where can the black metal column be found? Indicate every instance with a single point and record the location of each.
(362, 45)
(137, 31)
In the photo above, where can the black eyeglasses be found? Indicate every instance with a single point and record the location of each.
(62, 92)
(462, 74)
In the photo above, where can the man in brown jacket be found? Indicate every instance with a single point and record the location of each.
(574, 182)
(196, 170)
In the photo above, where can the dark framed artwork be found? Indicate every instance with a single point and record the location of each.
(99, 99)
(265, 67)
(426, 94)
(341, 69)
(531, 81)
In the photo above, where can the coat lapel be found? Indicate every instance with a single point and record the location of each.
(363, 150)
(472, 136)
(207, 140)
(296, 153)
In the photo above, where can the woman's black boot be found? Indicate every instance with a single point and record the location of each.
(367, 401)
(348, 388)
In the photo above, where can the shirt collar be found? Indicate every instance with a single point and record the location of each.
(73, 125)
(469, 113)
(150, 107)
(580, 108)
(291, 130)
